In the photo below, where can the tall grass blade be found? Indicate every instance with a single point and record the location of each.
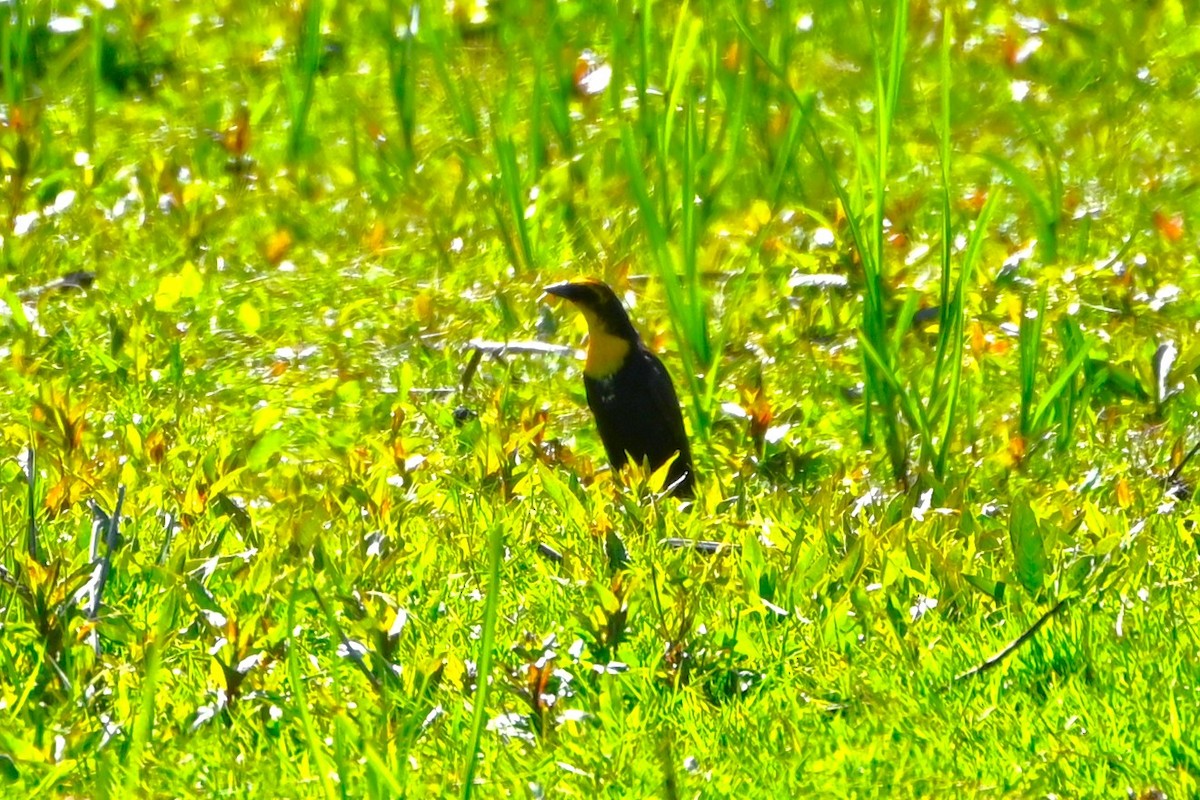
(510, 187)
(143, 723)
(308, 60)
(92, 84)
(486, 643)
(957, 335)
(879, 399)
(948, 308)
(913, 411)
(685, 296)
(402, 72)
(300, 701)
(679, 70)
(1075, 394)
(15, 49)
(31, 531)
(664, 262)
(875, 292)
(457, 89)
(1029, 343)
(642, 75)
(1056, 389)
(1043, 206)
(691, 300)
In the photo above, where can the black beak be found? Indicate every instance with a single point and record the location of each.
(567, 291)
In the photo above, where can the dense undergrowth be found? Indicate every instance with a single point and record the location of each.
(276, 496)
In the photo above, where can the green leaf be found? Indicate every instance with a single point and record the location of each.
(249, 318)
(1029, 553)
(990, 586)
(268, 445)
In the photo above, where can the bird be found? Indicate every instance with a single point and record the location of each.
(628, 389)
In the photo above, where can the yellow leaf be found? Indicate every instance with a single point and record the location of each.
(528, 483)
(193, 192)
(249, 317)
(455, 670)
(493, 456)
(129, 475)
(277, 245)
(156, 446)
(190, 281)
(759, 215)
(168, 294)
(264, 418)
(349, 392)
(134, 439)
(423, 306)
(1124, 493)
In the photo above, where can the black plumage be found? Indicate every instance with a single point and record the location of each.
(628, 389)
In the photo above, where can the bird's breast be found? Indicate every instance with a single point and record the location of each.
(602, 390)
(606, 354)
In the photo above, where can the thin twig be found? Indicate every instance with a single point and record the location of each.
(10, 580)
(1012, 646)
(472, 365)
(1175, 473)
(549, 552)
(104, 566)
(171, 524)
(72, 280)
(699, 545)
(480, 347)
(522, 348)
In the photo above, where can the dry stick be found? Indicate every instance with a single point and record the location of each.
(480, 347)
(549, 552)
(524, 348)
(104, 567)
(432, 391)
(472, 365)
(11, 581)
(699, 545)
(1175, 473)
(675, 543)
(1011, 647)
(171, 524)
(72, 280)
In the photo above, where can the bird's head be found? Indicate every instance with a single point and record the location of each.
(610, 333)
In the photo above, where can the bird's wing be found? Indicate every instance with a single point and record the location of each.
(666, 402)
(600, 394)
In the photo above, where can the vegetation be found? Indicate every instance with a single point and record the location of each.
(281, 518)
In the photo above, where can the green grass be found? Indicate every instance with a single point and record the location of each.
(352, 557)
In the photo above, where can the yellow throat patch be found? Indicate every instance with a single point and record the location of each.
(605, 353)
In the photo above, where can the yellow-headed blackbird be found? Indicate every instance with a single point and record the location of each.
(628, 388)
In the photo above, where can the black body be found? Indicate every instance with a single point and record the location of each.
(637, 412)
(636, 408)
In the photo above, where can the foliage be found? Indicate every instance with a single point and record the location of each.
(276, 519)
